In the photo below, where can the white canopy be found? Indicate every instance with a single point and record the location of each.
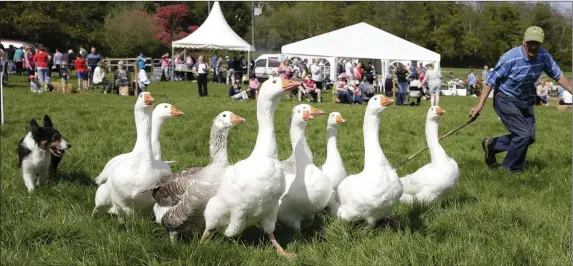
(214, 33)
(361, 41)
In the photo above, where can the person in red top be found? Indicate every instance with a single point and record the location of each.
(359, 72)
(309, 88)
(41, 61)
(81, 70)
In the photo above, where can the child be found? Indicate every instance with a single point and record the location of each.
(34, 84)
(81, 70)
(143, 79)
(236, 94)
(253, 86)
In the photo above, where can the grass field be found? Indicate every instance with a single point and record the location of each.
(492, 218)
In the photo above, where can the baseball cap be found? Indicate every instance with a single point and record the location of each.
(534, 33)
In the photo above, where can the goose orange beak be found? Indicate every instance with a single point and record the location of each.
(289, 85)
(237, 119)
(385, 101)
(315, 111)
(175, 111)
(339, 119)
(440, 111)
(148, 99)
(307, 116)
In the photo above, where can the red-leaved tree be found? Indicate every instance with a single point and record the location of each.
(170, 20)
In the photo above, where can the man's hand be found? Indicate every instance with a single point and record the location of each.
(475, 110)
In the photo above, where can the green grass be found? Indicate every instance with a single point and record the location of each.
(492, 218)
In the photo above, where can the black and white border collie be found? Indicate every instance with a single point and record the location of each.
(40, 152)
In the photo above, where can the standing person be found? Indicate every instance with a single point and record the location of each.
(141, 61)
(513, 100)
(349, 70)
(29, 64)
(253, 86)
(369, 73)
(3, 64)
(165, 61)
(189, 63)
(472, 80)
(10, 57)
(202, 69)
(58, 62)
(421, 69)
(93, 59)
(434, 80)
(41, 59)
(412, 73)
(317, 77)
(230, 70)
(214, 66)
(218, 70)
(19, 60)
(389, 86)
(484, 75)
(82, 71)
(401, 75)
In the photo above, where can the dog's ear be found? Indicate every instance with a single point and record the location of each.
(34, 127)
(47, 121)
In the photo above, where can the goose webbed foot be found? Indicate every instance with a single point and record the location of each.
(279, 249)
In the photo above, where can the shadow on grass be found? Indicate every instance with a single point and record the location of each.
(76, 177)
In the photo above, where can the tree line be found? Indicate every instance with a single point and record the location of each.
(464, 33)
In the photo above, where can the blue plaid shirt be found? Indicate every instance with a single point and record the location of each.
(515, 75)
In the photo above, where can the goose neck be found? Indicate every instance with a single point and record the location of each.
(266, 144)
(373, 156)
(143, 126)
(218, 145)
(437, 153)
(156, 124)
(331, 144)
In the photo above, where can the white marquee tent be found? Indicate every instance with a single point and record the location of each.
(214, 33)
(361, 41)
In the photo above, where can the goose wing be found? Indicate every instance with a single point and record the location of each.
(170, 192)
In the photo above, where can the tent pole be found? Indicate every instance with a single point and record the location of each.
(248, 64)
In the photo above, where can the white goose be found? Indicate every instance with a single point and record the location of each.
(333, 166)
(181, 201)
(289, 165)
(161, 113)
(436, 179)
(371, 194)
(308, 190)
(131, 179)
(250, 189)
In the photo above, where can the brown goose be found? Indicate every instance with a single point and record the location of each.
(188, 191)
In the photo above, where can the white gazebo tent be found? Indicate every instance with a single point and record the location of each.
(214, 33)
(361, 41)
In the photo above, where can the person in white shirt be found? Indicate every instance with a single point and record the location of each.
(202, 69)
(316, 73)
(349, 70)
(99, 77)
(434, 80)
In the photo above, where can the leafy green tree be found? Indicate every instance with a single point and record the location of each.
(129, 32)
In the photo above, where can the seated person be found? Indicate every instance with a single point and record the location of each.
(542, 91)
(355, 94)
(366, 89)
(35, 86)
(342, 95)
(143, 80)
(236, 94)
(121, 76)
(99, 77)
(415, 89)
(309, 88)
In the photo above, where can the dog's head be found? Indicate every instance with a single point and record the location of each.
(48, 137)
